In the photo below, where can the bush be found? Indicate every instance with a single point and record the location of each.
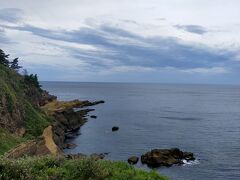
(83, 169)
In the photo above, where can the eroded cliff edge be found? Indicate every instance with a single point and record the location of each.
(36, 121)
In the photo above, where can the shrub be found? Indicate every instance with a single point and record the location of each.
(83, 169)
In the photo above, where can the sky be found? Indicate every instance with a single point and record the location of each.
(163, 41)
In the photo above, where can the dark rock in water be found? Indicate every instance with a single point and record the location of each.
(166, 157)
(94, 156)
(78, 133)
(115, 128)
(88, 103)
(188, 156)
(97, 156)
(71, 146)
(75, 156)
(133, 160)
(93, 116)
(70, 136)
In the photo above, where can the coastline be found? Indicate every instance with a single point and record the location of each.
(68, 117)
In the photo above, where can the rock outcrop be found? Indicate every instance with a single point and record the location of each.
(67, 122)
(80, 156)
(43, 145)
(69, 117)
(166, 157)
(133, 160)
(115, 128)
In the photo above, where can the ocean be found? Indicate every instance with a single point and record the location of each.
(203, 119)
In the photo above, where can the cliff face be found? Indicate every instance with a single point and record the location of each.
(19, 104)
(30, 112)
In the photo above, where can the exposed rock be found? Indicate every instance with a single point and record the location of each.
(20, 132)
(30, 148)
(43, 145)
(69, 118)
(94, 156)
(166, 157)
(71, 146)
(93, 116)
(97, 156)
(61, 106)
(69, 136)
(188, 156)
(115, 128)
(75, 156)
(88, 103)
(133, 160)
(49, 141)
(46, 98)
(67, 125)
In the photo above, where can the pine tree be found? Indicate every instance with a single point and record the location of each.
(4, 58)
(14, 65)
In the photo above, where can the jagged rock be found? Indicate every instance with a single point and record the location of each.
(94, 156)
(71, 146)
(133, 160)
(75, 156)
(97, 156)
(68, 119)
(115, 128)
(166, 157)
(46, 98)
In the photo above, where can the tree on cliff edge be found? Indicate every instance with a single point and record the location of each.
(14, 65)
(4, 58)
(33, 80)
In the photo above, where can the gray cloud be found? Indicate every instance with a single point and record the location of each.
(11, 15)
(3, 38)
(156, 52)
(192, 28)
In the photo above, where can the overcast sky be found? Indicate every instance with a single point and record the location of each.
(169, 41)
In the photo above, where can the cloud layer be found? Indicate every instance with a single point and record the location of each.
(127, 47)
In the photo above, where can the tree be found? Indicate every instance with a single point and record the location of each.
(33, 80)
(4, 58)
(14, 65)
(24, 72)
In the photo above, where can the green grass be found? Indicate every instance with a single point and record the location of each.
(35, 121)
(50, 168)
(12, 88)
(8, 141)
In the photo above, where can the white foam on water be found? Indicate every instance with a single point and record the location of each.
(195, 162)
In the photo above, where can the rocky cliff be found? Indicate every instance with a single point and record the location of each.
(19, 104)
(44, 122)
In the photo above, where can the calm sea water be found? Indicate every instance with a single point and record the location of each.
(203, 119)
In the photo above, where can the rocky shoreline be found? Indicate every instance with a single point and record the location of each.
(68, 117)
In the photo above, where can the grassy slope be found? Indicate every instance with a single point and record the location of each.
(12, 87)
(82, 169)
(7, 141)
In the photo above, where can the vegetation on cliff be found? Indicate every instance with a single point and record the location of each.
(20, 114)
(8, 141)
(27, 116)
